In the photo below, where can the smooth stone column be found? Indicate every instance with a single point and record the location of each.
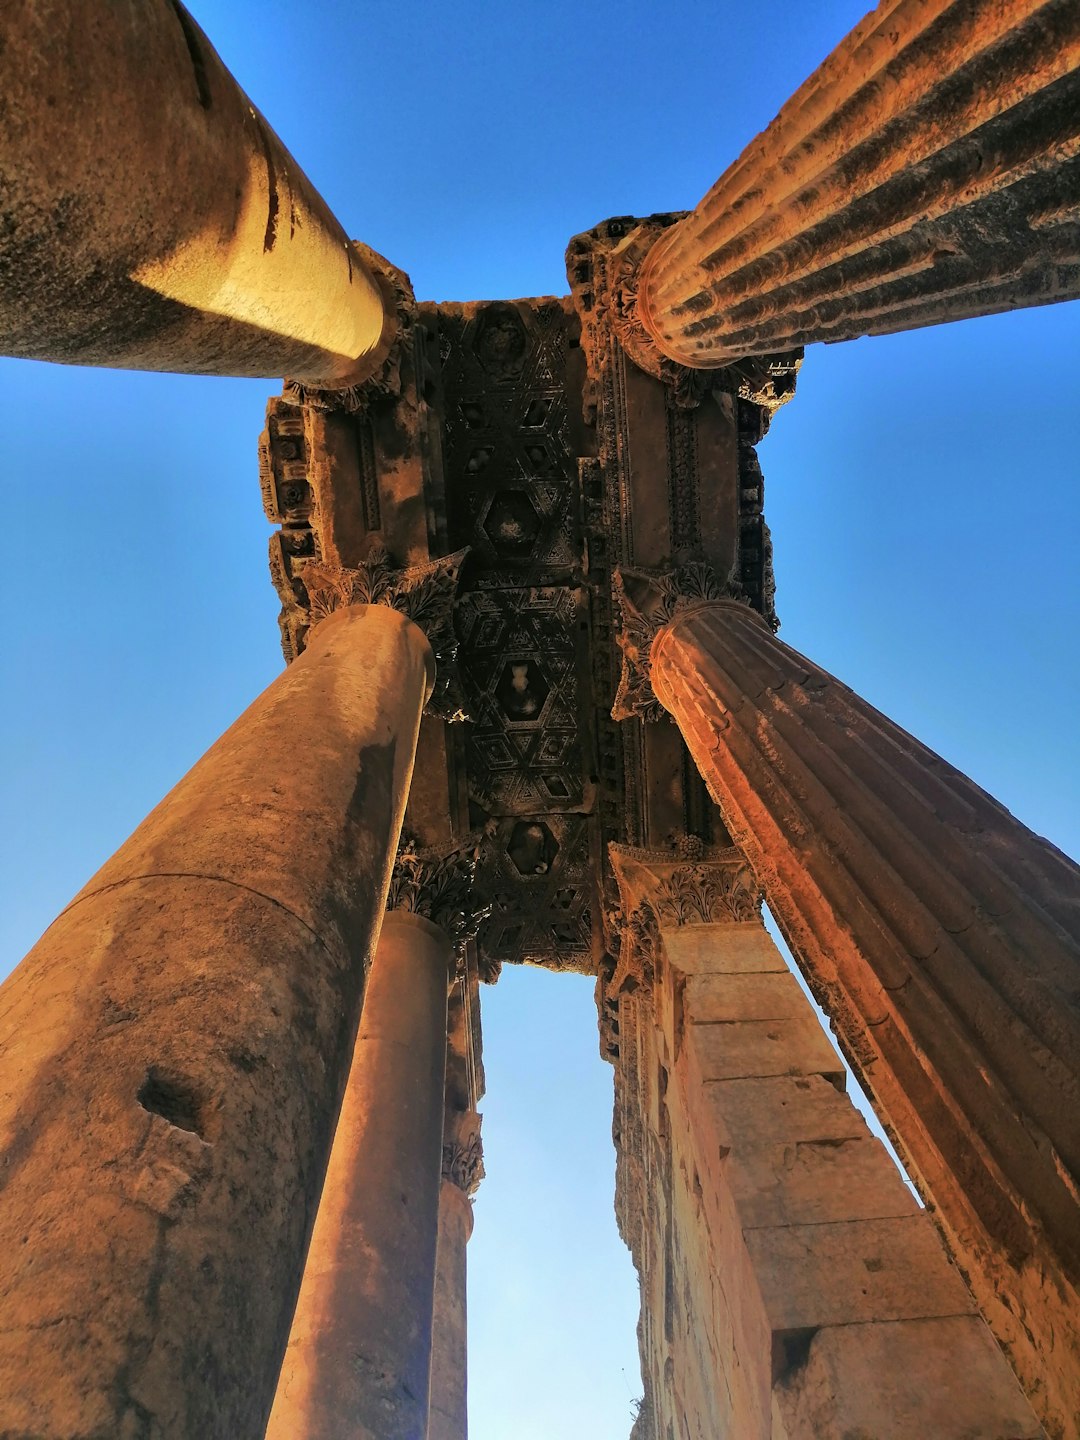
(928, 170)
(359, 1356)
(153, 220)
(173, 1054)
(448, 1416)
(943, 939)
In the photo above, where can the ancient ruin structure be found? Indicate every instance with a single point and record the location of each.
(535, 711)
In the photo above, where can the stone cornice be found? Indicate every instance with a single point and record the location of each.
(648, 600)
(440, 885)
(424, 592)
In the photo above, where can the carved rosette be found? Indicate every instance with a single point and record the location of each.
(425, 593)
(440, 884)
(660, 889)
(463, 1152)
(647, 601)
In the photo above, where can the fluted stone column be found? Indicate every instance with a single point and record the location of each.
(462, 1170)
(153, 220)
(940, 935)
(173, 1054)
(927, 171)
(358, 1363)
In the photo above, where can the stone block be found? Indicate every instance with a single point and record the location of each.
(772, 1110)
(735, 948)
(764, 996)
(813, 1181)
(728, 1051)
(939, 1379)
(855, 1270)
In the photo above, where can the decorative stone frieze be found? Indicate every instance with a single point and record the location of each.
(648, 600)
(440, 885)
(463, 1152)
(425, 593)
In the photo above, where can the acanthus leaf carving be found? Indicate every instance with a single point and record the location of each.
(425, 593)
(647, 601)
(660, 889)
(463, 1151)
(440, 885)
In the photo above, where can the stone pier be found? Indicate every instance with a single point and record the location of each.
(174, 1052)
(940, 936)
(152, 218)
(792, 1289)
(927, 171)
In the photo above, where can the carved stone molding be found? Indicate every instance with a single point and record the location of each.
(463, 1151)
(648, 600)
(661, 889)
(440, 885)
(425, 593)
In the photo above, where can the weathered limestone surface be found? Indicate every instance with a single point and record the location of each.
(359, 1355)
(174, 1052)
(791, 1287)
(928, 170)
(940, 935)
(153, 220)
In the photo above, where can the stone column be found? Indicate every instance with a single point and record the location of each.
(174, 1050)
(927, 171)
(463, 1169)
(154, 221)
(358, 1362)
(939, 934)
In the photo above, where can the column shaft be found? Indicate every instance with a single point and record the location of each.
(154, 221)
(928, 170)
(942, 938)
(173, 1053)
(359, 1356)
(448, 1417)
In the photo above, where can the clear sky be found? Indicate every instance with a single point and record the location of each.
(922, 492)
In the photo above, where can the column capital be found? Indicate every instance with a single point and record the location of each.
(463, 1151)
(649, 601)
(693, 884)
(425, 593)
(605, 267)
(439, 884)
(381, 374)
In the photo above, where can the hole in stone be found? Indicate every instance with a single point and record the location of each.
(173, 1099)
(521, 691)
(790, 1352)
(532, 847)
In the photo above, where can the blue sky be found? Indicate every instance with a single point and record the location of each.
(922, 491)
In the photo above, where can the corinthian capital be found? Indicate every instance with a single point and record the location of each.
(425, 593)
(647, 601)
(440, 884)
(660, 890)
(463, 1153)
